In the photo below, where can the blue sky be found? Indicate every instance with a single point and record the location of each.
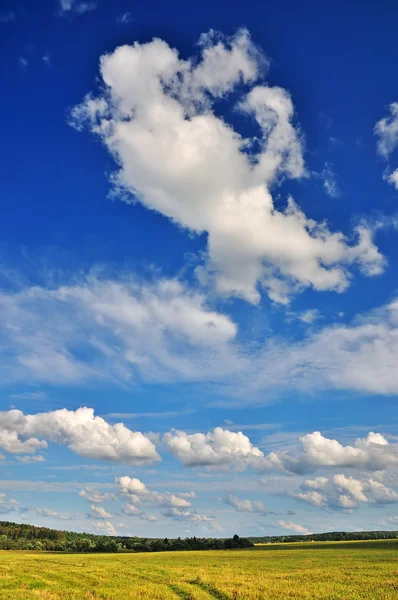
(198, 267)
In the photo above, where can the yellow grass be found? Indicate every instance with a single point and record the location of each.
(327, 571)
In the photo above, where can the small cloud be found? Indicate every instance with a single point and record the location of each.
(52, 514)
(31, 459)
(68, 6)
(392, 178)
(250, 506)
(46, 59)
(98, 512)
(131, 510)
(335, 143)
(125, 18)
(23, 62)
(329, 181)
(392, 519)
(7, 17)
(84, 7)
(93, 495)
(293, 527)
(105, 527)
(386, 131)
(9, 505)
(309, 316)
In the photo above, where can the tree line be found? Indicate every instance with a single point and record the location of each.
(21, 536)
(330, 536)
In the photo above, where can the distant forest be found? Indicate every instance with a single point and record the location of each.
(330, 536)
(19, 536)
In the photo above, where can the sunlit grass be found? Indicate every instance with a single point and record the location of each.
(327, 571)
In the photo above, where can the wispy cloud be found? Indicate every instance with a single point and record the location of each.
(121, 330)
(386, 131)
(292, 527)
(125, 18)
(76, 6)
(329, 181)
(249, 506)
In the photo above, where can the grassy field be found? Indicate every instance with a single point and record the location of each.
(332, 571)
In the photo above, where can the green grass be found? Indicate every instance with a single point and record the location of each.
(311, 571)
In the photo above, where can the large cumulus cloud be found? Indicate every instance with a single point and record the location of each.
(83, 432)
(157, 115)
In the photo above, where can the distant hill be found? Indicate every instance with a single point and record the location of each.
(20, 536)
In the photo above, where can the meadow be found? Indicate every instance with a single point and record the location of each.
(327, 571)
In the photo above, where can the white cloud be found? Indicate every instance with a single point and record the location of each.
(31, 459)
(341, 492)
(360, 357)
(23, 62)
(98, 512)
(386, 130)
(76, 6)
(372, 453)
(137, 492)
(250, 506)
(309, 316)
(127, 329)
(393, 178)
(125, 18)
(131, 510)
(219, 448)
(52, 514)
(176, 506)
(10, 441)
(177, 157)
(85, 434)
(165, 332)
(292, 527)
(104, 527)
(93, 495)
(329, 181)
(392, 519)
(179, 514)
(131, 486)
(9, 505)
(311, 497)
